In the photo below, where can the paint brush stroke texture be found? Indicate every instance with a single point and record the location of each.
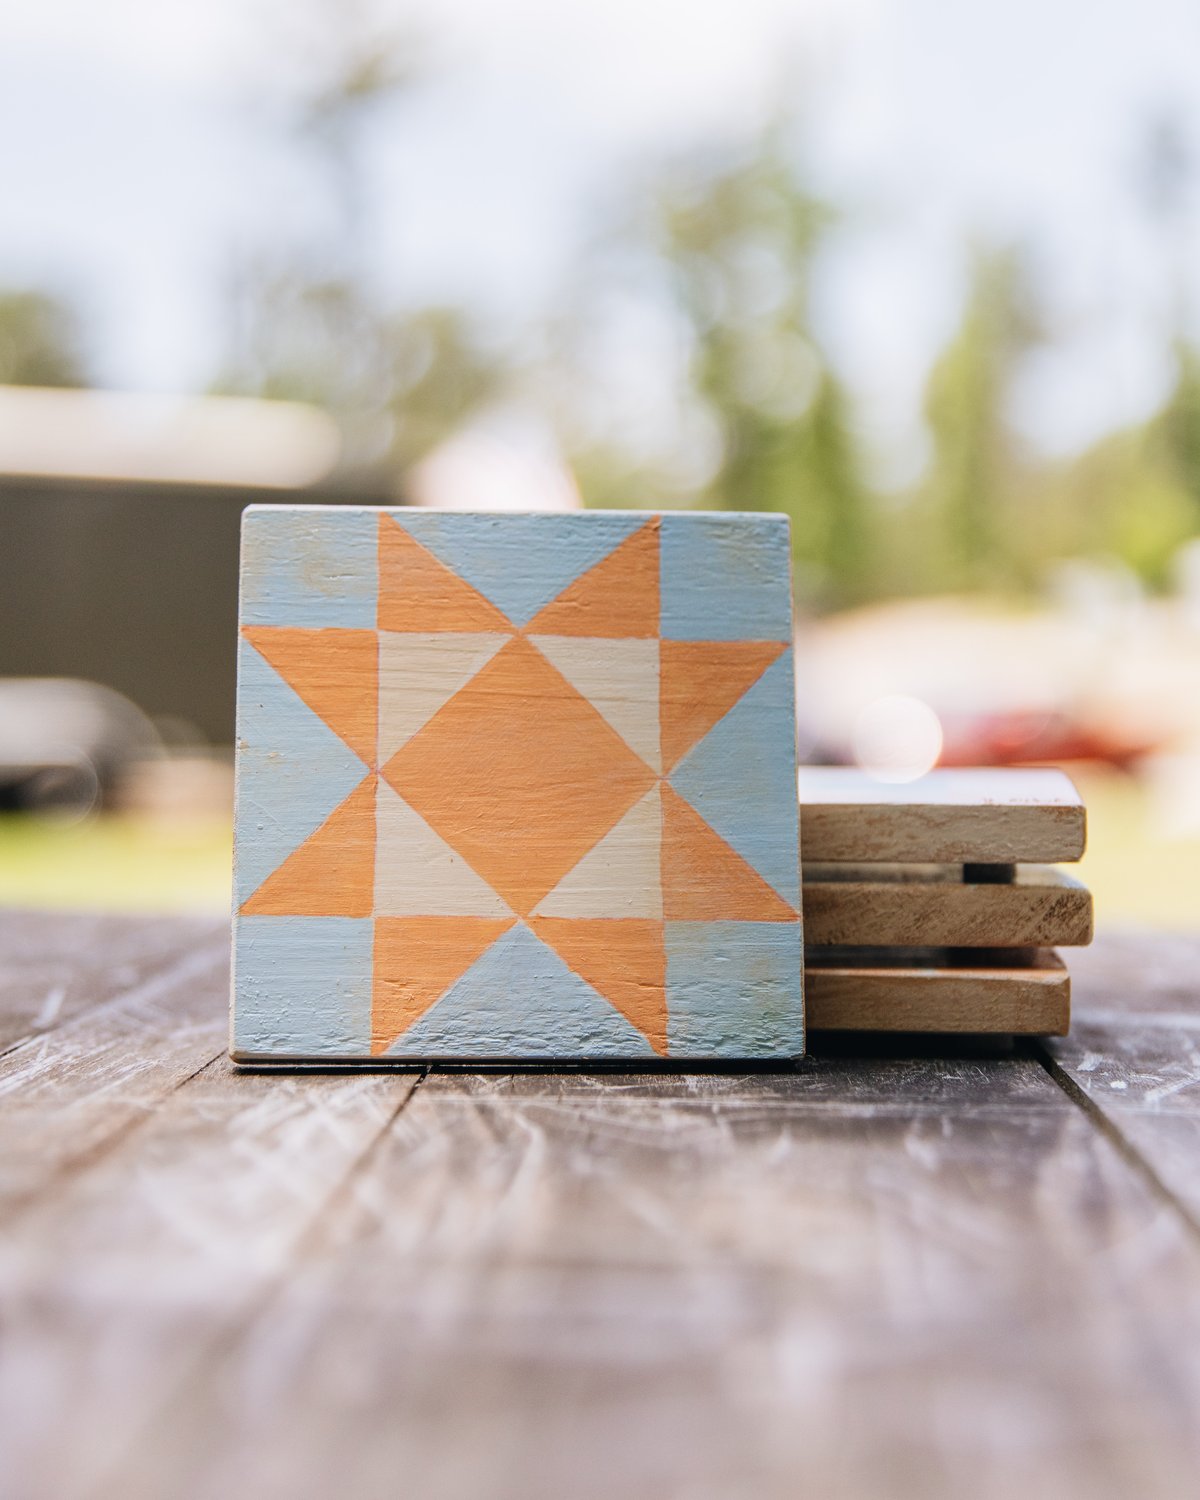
(516, 787)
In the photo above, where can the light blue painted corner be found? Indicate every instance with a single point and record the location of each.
(520, 562)
(302, 987)
(741, 778)
(726, 578)
(292, 771)
(309, 566)
(735, 989)
(521, 1001)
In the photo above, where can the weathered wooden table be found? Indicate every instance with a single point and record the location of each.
(907, 1272)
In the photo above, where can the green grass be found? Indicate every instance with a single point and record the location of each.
(1139, 865)
(116, 863)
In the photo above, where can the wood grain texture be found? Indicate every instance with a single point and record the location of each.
(932, 906)
(986, 991)
(710, 1287)
(52, 971)
(70, 1090)
(1135, 1052)
(151, 1233)
(916, 1272)
(949, 816)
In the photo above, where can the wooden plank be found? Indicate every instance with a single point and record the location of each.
(919, 1275)
(68, 1093)
(985, 991)
(1134, 1051)
(147, 1195)
(453, 741)
(54, 968)
(1002, 816)
(932, 906)
(146, 1256)
(922, 1277)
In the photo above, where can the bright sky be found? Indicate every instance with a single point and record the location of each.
(140, 154)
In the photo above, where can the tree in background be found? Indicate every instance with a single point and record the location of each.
(969, 501)
(732, 242)
(398, 382)
(740, 242)
(1134, 496)
(1167, 181)
(307, 323)
(1177, 430)
(723, 250)
(40, 341)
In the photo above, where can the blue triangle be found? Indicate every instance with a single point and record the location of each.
(292, 771)
(741, 779)
(520, 562)
(520, 1000)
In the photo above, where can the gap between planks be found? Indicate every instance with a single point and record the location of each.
(97, 1032)
(191, 1384)
(20, 1202)
(309, 1236)
(230, 1331)
(1116, 1137)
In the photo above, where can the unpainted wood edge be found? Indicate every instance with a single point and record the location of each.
(1019, 1002)
(1109, 1126)
(1053, 911)
(981, 834)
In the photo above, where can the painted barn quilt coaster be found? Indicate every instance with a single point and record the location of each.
(515, 787)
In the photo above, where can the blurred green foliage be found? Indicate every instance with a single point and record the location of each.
(40, 341)
(398, 382)
(306, 321)
(740, 245)
(729, 245)
(975, 481)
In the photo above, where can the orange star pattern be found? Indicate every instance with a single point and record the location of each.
(515, 776)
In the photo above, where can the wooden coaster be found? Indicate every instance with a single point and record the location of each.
(516, 787)
(1020, 993)
(954, 816)
(933, 906)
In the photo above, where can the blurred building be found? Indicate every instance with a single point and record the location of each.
(120, 520)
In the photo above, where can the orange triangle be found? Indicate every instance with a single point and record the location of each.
(417, 959)
(700, 683)
(624, 958)
(419, 592)
(336, 672)
(332, 873)
(704, 880)
(616, 598)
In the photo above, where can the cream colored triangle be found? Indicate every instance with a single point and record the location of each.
(419, 673)
(621, 875)
(418, 874)
(619, 679)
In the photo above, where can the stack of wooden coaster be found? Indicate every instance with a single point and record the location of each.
(934, 906)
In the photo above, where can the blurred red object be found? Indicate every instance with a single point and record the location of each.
(1035, 738)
